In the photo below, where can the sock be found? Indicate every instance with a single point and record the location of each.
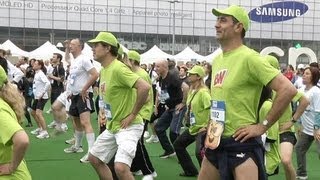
(78, 137)
(90, 139)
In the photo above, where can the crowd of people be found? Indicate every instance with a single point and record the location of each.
(245, 116)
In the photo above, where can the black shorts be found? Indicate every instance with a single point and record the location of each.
(234, 157)
(55, 93)
(78, 106)
(39, 104)
(161, 109)
(288, 137)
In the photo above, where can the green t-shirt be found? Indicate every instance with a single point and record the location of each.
(147, 109)
(237, 79)
(200, 107)
(9, 126)
(272, 155)
(116, 88)
(287, 114)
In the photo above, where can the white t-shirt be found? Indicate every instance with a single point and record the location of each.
(41, 85)
(79, 74)
(14, 73)
(298, 83)
(308, 116)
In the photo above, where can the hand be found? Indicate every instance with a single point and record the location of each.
(84, 95)
(6, 169)
(127, 121)
(316, 134)
(286, 126)
(102, 117)
(179, 107)
(250, 131)
(66, 43)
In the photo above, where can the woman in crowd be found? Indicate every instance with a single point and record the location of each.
(13, 139)
(308, 130)
(41, 85)
(198, 103)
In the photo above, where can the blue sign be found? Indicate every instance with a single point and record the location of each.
(279, 11)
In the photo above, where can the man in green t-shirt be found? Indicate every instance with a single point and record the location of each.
(238, 75)
(119, 107)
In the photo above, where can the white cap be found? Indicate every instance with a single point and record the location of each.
(300, 66)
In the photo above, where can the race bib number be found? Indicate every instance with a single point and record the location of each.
(72, 78)
(192, 119)
(218, 110)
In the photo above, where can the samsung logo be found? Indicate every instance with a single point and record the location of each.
(276, 12)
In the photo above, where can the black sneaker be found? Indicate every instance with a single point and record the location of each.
(167, 154)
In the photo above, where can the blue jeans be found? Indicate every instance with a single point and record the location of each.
(171, 118)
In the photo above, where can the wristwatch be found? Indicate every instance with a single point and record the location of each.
(316, 127)
(265, 123)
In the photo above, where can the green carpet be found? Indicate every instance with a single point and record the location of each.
(46, 160)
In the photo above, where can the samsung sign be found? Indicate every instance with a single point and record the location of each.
(279, 11)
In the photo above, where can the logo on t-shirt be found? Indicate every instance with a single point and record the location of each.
(219, 78)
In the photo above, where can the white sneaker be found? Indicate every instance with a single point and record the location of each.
(153, 139)
(137, 173)
(70, 141)
(52, 124)
(148, 177)
(64, 127)
(154, 174)
(35, 131)
(73, 149)
(61, 127)
(49, 111)
(84, 159)
(43, 135)
(302, 177)
(146, 134)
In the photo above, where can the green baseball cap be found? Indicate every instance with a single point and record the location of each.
(105, 37)
(273, 61)
(3, 77)
(237, 12)
(134, 55)
(197, 70)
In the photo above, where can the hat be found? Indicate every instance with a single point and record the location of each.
(237, 12)
(134, 55)
(300, 66)
(273, 61)
(3, 77)
(197, 70)
(105, 37)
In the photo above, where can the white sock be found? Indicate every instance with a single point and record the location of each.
(78, 137)
(90, 139)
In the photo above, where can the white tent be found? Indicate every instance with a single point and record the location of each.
(15, 50)
(211, 56)
(153, 55)
(45, 51)
(187, 55)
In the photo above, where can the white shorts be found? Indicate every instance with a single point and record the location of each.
(63, 98)
(123, 144)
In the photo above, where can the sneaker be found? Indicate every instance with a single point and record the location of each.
(73, 149)
(52, 125)
(49, 111)
(61, 127)
(70, 141)
(146, 134)
(153, 139)
(137, 173)
(148, 177)
(85, 158)
(35, 131)
(167, 154)
(43, 135)
(302, 177)
(64, 127)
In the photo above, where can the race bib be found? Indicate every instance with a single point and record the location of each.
(218, 110)
(72, 78)
(192, 119)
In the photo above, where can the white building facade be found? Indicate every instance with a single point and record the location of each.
(140, 24)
